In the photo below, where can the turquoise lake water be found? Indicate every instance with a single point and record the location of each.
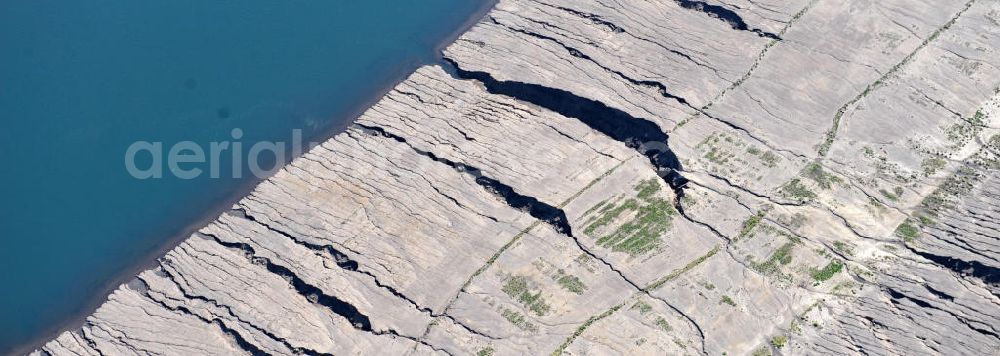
(82, 80)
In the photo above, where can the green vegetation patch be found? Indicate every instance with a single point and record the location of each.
(814, 171)
(642, 307)
(907, 231)
(564, 279)
(518, 319)
(595, 207)
(727, 300)
(843, 247)
(519, 288)
(874, 203)
(779, 341)
(781, 256)
(587, 262)
(647, 188)
(650, 216)
(770, 159)
(688, 267)
(572, 283)
(831, 134)
(888, 195)
(966, 129)
(583, 327)
(956, 186)
(894, 195)
(931, 165)
(663, 324)
(795, 189)
(488, 351)
(827, 272)
(718, 156)
(751, 223)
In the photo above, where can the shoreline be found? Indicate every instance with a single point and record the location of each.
(150, 260)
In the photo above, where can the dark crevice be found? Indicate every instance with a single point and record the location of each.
(940, 294)
(598, 20)
(90, 342)
(311, 292)
(726, 15)
(316, 295)
(550, 214)
(345, 262)
(433, 186)
(172, 278)
(871, 320)
(976, 269)
(749, 134)
(342, 260)
(662, 89)
(952, 235)
(595, 19)
(642, 135)
(122, 339)
(243, 343)
(537, 209)
(896, 296)
(240, 341)
(753, 193)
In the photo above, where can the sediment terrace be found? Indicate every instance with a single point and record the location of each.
(602, 177)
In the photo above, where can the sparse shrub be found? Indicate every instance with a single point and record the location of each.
(815, 172)
(727, 300)
(795, 189)
(518, 288)
(779, 341)
(642, 307)
(663, 324)
(519, 320)
(750, 223)
(770, 159)
(843, 247)
(907, 231)
(781, 256)
(888, 195)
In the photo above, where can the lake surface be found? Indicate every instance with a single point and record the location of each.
(80, 81)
